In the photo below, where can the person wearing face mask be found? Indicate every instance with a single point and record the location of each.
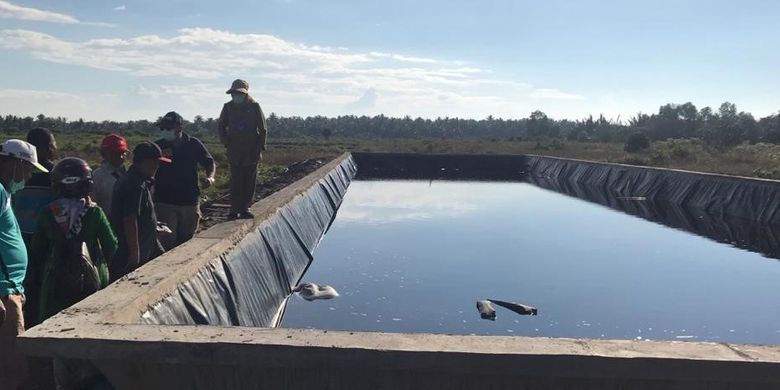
(113, 149)
(243, 131)
(27, 203)
(18, 161)
(176, 193)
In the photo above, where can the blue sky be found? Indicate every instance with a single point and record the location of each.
(138, 59)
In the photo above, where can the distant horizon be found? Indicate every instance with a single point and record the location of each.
(621, 120)
(138, 59)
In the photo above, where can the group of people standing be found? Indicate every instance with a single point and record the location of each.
(67, 231)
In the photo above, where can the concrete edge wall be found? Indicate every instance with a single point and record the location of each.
(216, 354)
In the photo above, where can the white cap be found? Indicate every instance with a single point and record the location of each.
(22, 150)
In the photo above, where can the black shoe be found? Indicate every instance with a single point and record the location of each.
(232, 216)
(246, 215)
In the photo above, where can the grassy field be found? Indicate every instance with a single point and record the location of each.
(760, 160)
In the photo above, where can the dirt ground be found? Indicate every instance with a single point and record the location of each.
(215, 211)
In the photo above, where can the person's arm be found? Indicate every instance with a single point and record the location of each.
(207, 162)
(106, 237)
(93, 189)
(130, 225)
(41, 246)
(211, 169)
(222, 125)
(263, 127)
(2, 312)
(131, 209)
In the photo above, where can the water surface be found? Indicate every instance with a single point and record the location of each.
(415, 256)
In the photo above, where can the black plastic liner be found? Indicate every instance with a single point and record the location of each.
(739, 232)
(440, 166)
(737, 211)
(249, 285)
(727, 196)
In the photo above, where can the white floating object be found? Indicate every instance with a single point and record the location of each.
(486, 310)
(311, 291)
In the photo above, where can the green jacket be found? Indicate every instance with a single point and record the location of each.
(243, 131)
(101, 243)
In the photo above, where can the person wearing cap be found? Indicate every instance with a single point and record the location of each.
(243, 131)
(132, 211)
(113, 149)
(18, 161)
(176, 191)
(27, 203)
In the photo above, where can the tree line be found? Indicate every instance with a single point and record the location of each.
(723, 127)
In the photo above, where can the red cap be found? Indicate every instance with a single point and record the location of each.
(115, 143)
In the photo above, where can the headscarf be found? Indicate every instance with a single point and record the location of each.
(69, 214)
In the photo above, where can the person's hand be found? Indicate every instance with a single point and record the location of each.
(2, 312)
(208, 182)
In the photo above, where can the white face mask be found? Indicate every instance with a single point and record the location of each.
(238, 98)
(168, 135)
(16, 186)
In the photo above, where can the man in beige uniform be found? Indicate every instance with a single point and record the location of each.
(243, 131)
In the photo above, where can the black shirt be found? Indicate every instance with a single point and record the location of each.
(132, 196)
(177, 183)
(41, 179)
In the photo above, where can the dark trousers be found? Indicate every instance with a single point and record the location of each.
(243, 179)
(182, 220)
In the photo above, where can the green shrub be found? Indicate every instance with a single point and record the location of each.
(657, 158)
(767, 173)
(549, 144)
(637, 142)
(680, 150)
(633, 160)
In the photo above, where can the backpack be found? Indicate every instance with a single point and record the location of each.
(74, 275)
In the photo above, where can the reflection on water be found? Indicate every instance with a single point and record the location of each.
(416, 256)
(373, 202)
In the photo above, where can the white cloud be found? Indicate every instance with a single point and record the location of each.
(403, 58)
(53, 103)
(197, 64)
(552, 93)
(12, 11)
(35, 94)
(364, 103)
(120, 8)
